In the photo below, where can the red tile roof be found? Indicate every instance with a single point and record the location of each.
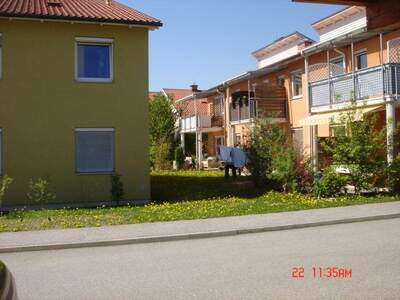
(177, 93)
(152, 95)
(79, 10)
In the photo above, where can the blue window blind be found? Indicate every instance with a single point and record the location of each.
(94, 61)
(94, 151)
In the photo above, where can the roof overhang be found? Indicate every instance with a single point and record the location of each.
(280, 43)
(346, 39)
(337, 17)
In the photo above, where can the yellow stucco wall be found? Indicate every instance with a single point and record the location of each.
(41, 104)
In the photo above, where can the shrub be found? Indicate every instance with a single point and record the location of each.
(117, 188)
(359, 146)
(5, 183)
(304, 174)
(330, 185)
(179, 157)
(39, 191)
(272, 160)
(284, 167)
(259, 153)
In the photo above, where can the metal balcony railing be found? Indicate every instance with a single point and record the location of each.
(360, 85)
(246, 112)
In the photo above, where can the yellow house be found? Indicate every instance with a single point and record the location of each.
(73, 98)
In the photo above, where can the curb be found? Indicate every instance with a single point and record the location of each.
(189, 236)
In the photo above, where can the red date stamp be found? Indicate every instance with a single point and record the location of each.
(322, 272)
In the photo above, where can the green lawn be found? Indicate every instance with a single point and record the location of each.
(181, 196)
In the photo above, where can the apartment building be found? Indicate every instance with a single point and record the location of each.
(73, 98)
(352, 63)
(305, 85)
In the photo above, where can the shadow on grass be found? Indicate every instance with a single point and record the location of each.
(181, 187)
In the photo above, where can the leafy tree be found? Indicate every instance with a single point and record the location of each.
(163, 118)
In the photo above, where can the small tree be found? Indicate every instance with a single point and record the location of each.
(40, 192)
(162, 128)
(117, 188)
(5, 183)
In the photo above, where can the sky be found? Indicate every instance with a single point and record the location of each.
(208, 41)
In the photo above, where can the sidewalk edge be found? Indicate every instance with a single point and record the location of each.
(187, 236)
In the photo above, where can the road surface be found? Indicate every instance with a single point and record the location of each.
(253, 266)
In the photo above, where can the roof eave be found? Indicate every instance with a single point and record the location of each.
(152, 25)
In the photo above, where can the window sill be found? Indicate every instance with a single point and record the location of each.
(297, 97)
(95, 80)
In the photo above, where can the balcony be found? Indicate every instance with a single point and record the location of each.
(199, 121)
(366, 84)
(266, 101)
(243, 113)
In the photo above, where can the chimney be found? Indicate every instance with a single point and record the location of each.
(108, 2)
(195, 88)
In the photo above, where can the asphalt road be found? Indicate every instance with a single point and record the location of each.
(253, 266)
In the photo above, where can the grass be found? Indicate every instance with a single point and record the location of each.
(182, 196)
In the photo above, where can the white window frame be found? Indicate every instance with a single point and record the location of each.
(359, 53)
(99, 42)
(295, 97)
(96, 129)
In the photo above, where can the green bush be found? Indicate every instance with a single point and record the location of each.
(179, 157)
(272, 160)
(359, 146)
(5, 182)
(39, 191)
(330, 184)
(117, 188)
